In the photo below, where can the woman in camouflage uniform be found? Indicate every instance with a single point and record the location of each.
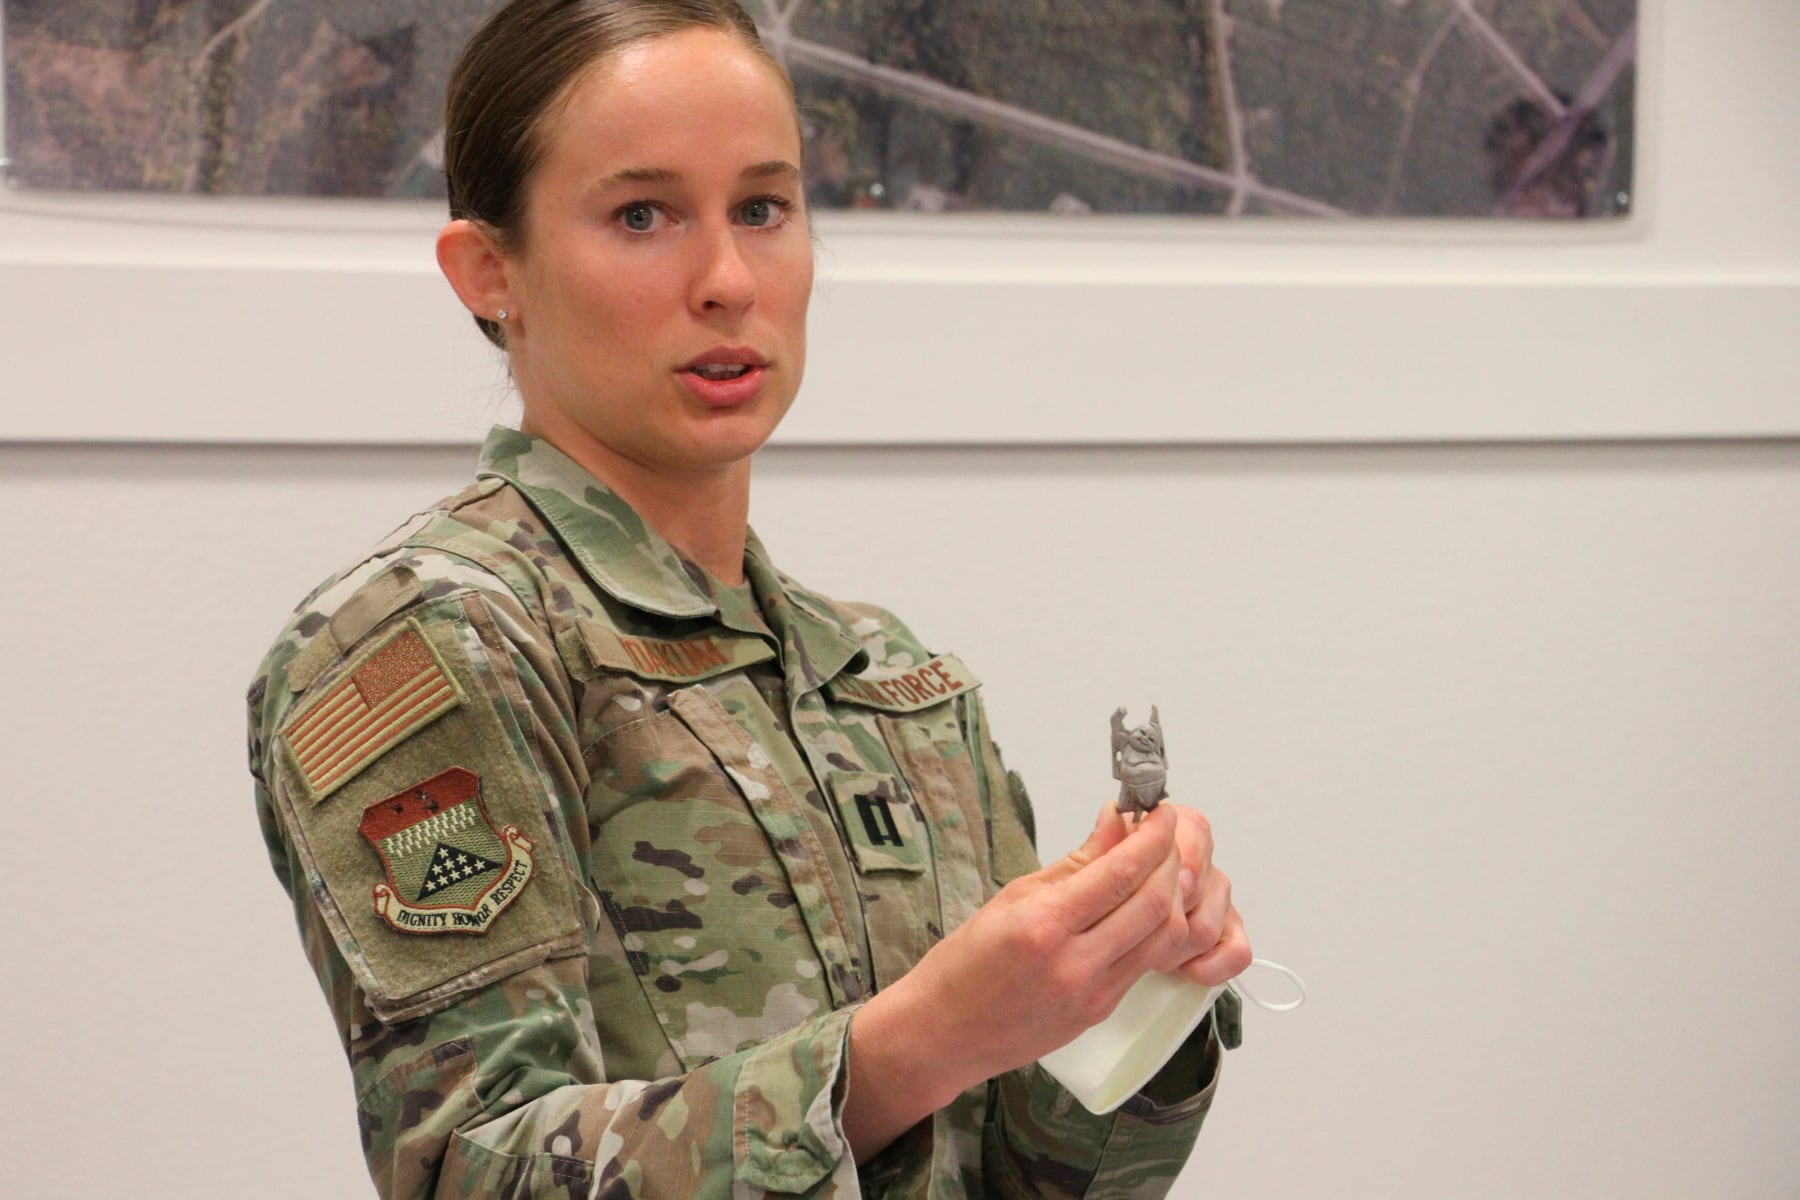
(630, 866)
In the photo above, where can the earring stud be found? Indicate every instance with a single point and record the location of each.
(503, 315)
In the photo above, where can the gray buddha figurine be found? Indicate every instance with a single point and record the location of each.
(1139, 763)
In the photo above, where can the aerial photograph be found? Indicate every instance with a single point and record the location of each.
(1311, 108)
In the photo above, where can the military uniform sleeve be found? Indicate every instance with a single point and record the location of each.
(418, 782)
(1039, 1140)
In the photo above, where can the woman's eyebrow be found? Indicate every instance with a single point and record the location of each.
(772, 169)
(637, 175)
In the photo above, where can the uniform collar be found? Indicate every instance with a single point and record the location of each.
(629, 561)
(817, 642)
(622, 555)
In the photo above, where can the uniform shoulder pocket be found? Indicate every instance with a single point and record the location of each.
(431, 845)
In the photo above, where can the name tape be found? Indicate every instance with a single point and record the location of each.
(675, 660)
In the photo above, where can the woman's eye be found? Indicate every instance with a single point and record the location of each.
(762, 212)
(639, 218)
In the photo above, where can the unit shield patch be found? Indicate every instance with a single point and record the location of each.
(449, 869)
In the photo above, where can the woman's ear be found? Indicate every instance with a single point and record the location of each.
(476, 269)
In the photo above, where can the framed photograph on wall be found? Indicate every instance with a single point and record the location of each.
(1323, 108)
(219, 216)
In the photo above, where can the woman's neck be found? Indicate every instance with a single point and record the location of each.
(704, 514)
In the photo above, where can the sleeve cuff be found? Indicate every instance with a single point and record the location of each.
(788, 1108)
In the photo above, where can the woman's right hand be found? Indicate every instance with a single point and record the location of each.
(1048, 957)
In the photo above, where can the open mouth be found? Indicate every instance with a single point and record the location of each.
(719, 372)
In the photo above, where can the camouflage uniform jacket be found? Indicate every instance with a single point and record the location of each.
(594, 859)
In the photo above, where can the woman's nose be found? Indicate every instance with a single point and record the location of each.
(723, 278)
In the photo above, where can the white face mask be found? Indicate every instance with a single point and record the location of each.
(1105, 1065)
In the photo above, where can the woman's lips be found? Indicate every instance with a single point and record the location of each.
(723, 384)
(725, 376)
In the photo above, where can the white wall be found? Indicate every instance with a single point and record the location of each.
(1500, 739)
(1500, 743)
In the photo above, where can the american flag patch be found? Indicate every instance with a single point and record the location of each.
(396, 690)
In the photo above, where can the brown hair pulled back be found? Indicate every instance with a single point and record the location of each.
(517, 66)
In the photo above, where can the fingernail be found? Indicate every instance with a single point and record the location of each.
(1188, 880)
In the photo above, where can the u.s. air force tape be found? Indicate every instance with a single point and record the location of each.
(906, 691)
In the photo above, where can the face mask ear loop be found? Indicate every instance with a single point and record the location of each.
(1243, 989)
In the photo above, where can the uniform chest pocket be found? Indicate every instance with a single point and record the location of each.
(934, 759)
(714, 880)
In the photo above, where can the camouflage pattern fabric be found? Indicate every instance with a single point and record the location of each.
(595, 858)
